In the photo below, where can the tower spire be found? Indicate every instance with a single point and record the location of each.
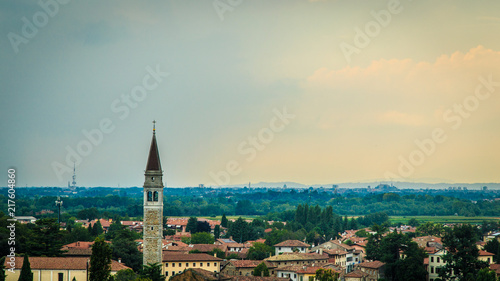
(154, 157)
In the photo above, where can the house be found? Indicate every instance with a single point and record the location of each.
(291, 246)
(374, 269)
(435, 264)
(198, 274)
(56, 268)
(25, 219)
(176, 263)
(351, 258)
(104, 223)
(298, 273)
(356, 275)
(245, 267)
(78, 249)
(287, 259)
(486, 256)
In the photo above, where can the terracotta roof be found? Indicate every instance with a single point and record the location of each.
(207, 247)
(78, 244)
(301, 269)
(484, 253)
(356, 274)
(78, 252)
(292, 243)
(296, 256)
(335, 252)
(495, 267)
(64, 263)
(189, 257)
(250, 263)
(372, 264)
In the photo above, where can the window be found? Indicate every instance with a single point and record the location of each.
(166, 273)
(173, 264)
(155, 196)
(437, 259)
(279, 248)
(201, 264)
(432, 269)
(488, 260)
(166, 264)
(173, 273)
(194, 264)
(432, 259)
(187, 264)
(180, 264)
(60, 276)
(150, 196)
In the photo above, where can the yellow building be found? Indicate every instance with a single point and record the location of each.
(54, 269)
(176, 263)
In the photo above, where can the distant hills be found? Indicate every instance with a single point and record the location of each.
(372, 184)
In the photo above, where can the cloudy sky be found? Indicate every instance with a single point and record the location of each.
(314, 92)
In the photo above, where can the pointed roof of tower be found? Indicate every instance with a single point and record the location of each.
(154, 157)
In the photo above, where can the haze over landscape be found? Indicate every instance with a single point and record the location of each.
(313, 92)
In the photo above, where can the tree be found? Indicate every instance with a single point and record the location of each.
(2, 269)
(203, 226)
(115, 228)
(202, 238)
(126, 275)
(153, 272)
(223, 221)
(493, 246)
(413, 222)
(261, 270)
(192, 225)
(217, 231)
(100, 261)
(241, 231)
(486, 274)
(26, 274)
(125, 247)
(462, 254)
(97, 229)
(323, 274)
(259, 251)
(46, 239)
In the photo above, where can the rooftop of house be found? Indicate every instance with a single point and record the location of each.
(250, 263)
(297, 256)
(170, 257)
(58, 263)
(292, 243)
(372, 264)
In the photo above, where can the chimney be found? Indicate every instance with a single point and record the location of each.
(215, 255)
(119, 260)
(321, 251)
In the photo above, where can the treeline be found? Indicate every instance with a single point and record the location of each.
(258, 203)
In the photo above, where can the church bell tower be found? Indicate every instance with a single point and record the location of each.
(153, 206)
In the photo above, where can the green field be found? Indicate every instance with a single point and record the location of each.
(443, 219)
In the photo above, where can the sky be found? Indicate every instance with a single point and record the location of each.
(316, 92)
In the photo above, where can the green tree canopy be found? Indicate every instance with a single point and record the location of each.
(192, 225)
(323, 274)
(46, 239)
(26, 274)
(100, 261)
(462, 254)
(153, 272)
(261, 270)
(202, 238)
(259, 251)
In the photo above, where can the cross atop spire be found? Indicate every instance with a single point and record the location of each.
(154, 156)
